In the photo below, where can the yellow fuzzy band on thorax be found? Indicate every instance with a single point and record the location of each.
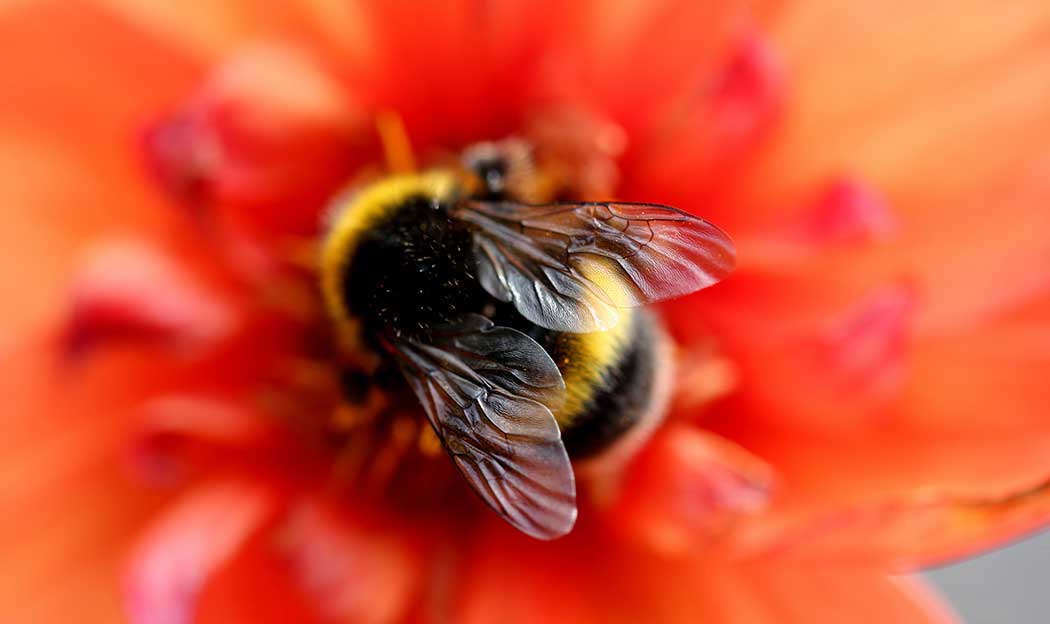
(361, 211)
(354, 216)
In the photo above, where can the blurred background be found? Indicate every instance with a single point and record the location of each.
(1006, 586)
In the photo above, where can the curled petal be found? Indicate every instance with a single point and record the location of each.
(131, 291)
(689, 484)
(909, 533)
(177, 556)
(270, 136)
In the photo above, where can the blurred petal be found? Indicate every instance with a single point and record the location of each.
(352, 571)
(130, 291)
(68, 176)
(270, 136)
(182, 434)
(906, 534)
(513, 581)
(177, 556)
(679, 43)
(687, 486)
(847, 210)
(959, 80)
(59, 463)
(699, 144)
(210, 30)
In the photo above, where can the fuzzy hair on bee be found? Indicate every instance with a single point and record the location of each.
(517, 326)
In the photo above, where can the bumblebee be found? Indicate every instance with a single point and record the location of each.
(517, 325)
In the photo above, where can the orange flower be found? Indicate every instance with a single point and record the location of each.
(863, 397)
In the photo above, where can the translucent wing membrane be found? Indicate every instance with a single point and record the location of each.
(486, 391)
(569, 266)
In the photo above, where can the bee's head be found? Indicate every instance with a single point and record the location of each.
(502, 169)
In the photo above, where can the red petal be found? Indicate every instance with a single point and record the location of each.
(183, 431)
(747, 95)
(812, 367)
(686, 161)
(132, 291)
(353, 571)
(640, 65)
(187, 545)
(577, 579)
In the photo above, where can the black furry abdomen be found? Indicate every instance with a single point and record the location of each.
(413, 269)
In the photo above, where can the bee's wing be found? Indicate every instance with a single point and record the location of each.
(569, 266)
(486, 391)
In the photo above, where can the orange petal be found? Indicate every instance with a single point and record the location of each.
(67, 167)
(60, 449)
(178, 555)
(906, 533)
(957, 419)
(945, 92)
(218, 28)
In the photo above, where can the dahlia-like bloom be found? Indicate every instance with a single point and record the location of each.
(862, 397)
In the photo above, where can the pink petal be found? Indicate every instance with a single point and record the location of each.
(847, 210)
(177, 556)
